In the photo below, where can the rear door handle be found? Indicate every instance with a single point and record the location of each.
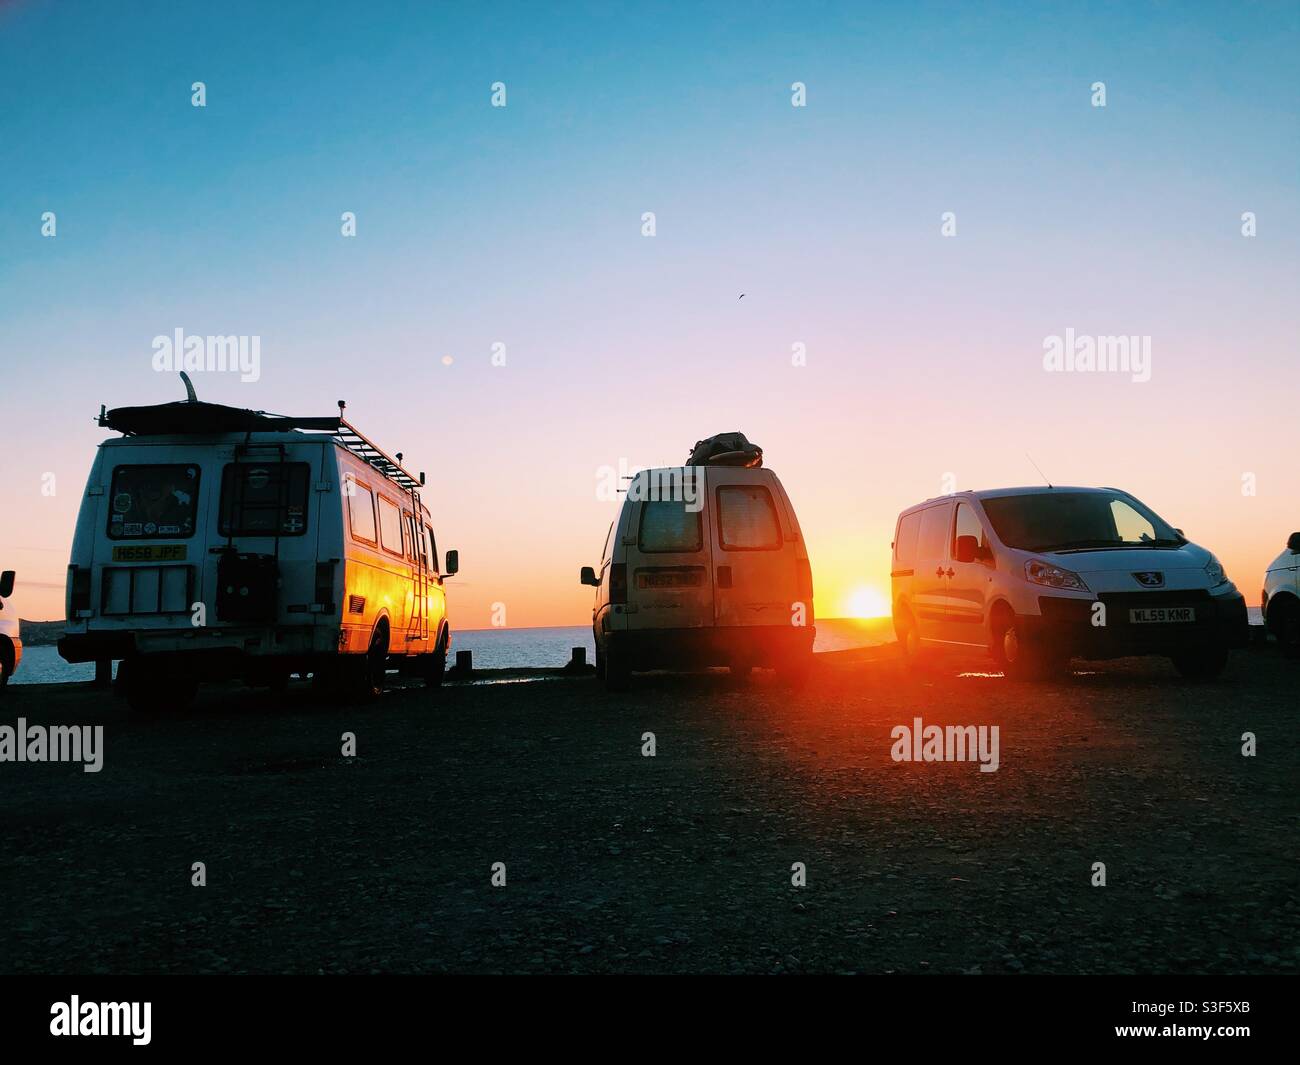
(949, 573)
(939, 572)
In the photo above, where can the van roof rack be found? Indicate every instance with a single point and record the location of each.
(197, 418)
(371, 453)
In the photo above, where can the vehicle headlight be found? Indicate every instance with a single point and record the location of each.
(1039, 572)
(1215, 572)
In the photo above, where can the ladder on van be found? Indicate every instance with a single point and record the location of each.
(417, 626)
(418, 623)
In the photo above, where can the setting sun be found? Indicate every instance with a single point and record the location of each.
(866, 602)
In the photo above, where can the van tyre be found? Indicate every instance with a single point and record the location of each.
(153, 689)
(794, 671)
(1284, 623)
(909, 642)
(618, 667)
(366, 674)
(1204, 664)
(435, 666)
(1017, 657)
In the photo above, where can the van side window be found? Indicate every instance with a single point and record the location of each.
(408, 537)
(390, 526)
(361, 512)
(905, 541)
(609, 536)
(747, 519)
(264, 499)
(968, 524)
(934, 532)
(153, 502)
(667, 526)
(432, 548)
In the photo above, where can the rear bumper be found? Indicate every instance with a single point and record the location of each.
(714, 646)
(201, 645)
(1067, 625)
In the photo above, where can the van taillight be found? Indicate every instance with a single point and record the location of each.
(804, 578)
(618, 583)
(324, 596)
(79, 582)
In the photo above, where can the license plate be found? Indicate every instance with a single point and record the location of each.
(1155, 615)
(149, 553)
(670, 578)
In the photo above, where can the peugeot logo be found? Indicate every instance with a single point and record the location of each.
(1150, 579)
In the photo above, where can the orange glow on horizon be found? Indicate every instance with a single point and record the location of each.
(865, 601)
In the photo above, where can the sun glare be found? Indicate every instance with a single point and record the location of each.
(866, 602)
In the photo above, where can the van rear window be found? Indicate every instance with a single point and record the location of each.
(747, 519)
(667, 526)
(264, 499)
(153, 502)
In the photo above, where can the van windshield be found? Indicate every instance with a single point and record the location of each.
(1076, 521)
(153, 502)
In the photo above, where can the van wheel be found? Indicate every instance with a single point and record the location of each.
(435, 666)
(794, 671)
(1284, 622)
(1205, 664)
(600, 662)
(909, 642)
(154, 689)
(369, 672)
(618, 670)
(1018, 659)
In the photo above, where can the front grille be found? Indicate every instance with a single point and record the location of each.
(1136, 600)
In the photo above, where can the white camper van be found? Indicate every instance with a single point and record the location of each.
(11, 644)
(1036, 576)
(704, 565)
(1281, 597)
(217, 543)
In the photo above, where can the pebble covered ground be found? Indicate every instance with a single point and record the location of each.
(681, 862)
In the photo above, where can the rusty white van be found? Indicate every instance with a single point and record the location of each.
(704, 566)
(217, 543)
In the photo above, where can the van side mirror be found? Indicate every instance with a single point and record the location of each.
(588, 576)
(968, 548)
(453, 563)
(7, 583)
(1292, 545)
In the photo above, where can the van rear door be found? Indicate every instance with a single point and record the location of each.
(148, 531)
(933, 570)
(753, 545)
(666, 549)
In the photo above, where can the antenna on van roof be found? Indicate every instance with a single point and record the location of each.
(1040, 472)
(190, 395)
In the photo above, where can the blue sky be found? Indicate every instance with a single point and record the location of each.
(521, 225)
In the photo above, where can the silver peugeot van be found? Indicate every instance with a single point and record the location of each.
(1040, 575)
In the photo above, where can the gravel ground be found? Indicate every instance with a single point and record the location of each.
(679, 862)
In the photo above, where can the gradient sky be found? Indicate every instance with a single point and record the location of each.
(523, 225)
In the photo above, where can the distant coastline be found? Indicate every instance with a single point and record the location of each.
(40, 633)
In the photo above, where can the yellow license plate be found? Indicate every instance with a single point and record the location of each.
(149, 553)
